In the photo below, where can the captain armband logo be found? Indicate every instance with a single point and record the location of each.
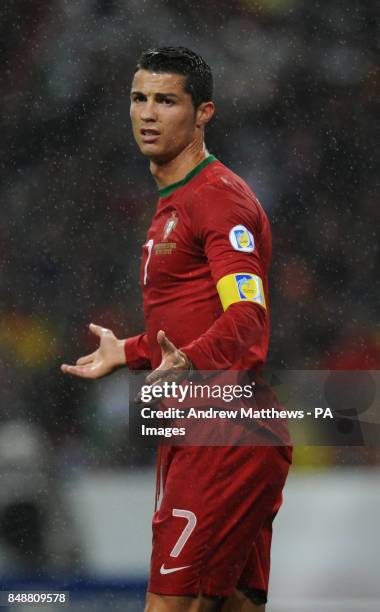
(241, 287)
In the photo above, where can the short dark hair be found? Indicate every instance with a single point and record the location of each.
(180, 60)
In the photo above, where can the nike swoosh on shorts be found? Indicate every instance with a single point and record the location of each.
(171, 570)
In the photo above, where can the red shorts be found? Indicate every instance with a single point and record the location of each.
(212, 533)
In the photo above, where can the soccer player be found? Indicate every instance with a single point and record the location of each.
(204, 277)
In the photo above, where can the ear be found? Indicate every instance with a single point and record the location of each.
(204, 113)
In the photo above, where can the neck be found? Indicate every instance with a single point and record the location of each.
(177, 168)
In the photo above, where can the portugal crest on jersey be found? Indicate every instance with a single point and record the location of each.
(170, 225)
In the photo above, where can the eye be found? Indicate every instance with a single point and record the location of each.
(168, 102)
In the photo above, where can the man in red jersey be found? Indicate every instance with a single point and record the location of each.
(205, 288)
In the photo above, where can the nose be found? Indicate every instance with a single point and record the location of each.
(149, 111)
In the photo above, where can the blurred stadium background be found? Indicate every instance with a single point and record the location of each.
(296, 84)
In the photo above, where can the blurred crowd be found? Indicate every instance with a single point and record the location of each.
(295, 88)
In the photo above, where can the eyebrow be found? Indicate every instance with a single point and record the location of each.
(158, 93)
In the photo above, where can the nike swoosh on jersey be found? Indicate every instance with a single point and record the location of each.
(171, 570)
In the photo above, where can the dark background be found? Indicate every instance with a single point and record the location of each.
(295, 88)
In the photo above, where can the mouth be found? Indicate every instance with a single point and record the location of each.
(149, 135)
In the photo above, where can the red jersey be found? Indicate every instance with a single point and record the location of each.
(204, 273)
(204, 279)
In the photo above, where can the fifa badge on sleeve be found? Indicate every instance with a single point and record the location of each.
(241, 239)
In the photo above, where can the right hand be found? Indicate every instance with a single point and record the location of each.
(109, 356)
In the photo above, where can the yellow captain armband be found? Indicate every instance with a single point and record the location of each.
(241, 287)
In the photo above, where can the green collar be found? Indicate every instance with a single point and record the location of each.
(165, 191)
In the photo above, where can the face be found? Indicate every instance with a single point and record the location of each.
(164, 120)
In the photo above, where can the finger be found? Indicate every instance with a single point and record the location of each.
(157, 377)
(139, 400)
(86, 359)
(80, 371)
(98, 330)
(164, 342)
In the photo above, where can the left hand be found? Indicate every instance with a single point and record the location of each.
(174, 363)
